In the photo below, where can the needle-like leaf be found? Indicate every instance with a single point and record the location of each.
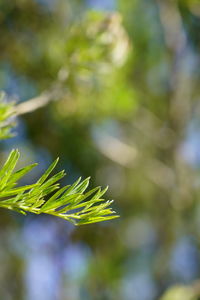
(70, 202)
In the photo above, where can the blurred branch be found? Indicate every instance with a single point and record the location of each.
(180, 79)
(182, 84)
(116, 150)
(35, 103)
(172, 25)
(126, 156)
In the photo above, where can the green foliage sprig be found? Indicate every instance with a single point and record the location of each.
(70, 202)
(6, 111)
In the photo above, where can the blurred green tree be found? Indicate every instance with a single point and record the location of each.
(123, 107)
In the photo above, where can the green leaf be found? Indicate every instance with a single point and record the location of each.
(8, 168)
(6, 111)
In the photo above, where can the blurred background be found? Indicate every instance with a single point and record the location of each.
(119, 89)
